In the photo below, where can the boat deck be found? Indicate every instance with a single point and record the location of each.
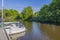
(3, 35)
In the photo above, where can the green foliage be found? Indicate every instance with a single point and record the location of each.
(0, 13)
(27, 12)
(9, 15)
(18, 18)
(50, 13)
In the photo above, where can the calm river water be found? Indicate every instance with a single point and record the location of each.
(38, 31)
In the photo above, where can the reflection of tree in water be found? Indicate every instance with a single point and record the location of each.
(28, 35)
(28, 25)
(52, 31)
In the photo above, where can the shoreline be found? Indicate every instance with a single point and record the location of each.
(46, 22)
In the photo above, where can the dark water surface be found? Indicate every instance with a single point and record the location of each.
(38, 31)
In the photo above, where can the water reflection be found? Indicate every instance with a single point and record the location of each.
(51, 31)
(28, 25)
(38, 31)
(33, 32)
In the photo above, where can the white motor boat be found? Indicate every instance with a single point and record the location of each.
(14, 27)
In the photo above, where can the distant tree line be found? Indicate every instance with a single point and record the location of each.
(47, 14)
(50, 13)
(10, 15)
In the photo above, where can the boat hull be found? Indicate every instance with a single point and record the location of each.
(15, 30)
(15, 36)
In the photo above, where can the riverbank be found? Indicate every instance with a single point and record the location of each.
(44, 22)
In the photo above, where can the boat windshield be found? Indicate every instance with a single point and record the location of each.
(14, 24)
(7, 25)
(19, 25)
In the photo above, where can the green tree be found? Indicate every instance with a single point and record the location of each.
(27, 12)
(18, 18)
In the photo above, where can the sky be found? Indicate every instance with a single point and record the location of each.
(21, 4)
(0, 4)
